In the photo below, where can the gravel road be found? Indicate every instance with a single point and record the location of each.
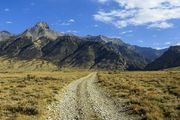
(83, 100)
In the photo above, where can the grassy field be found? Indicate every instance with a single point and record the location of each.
(15, 64)
(151, 95)
(173, 69)
(25, 95)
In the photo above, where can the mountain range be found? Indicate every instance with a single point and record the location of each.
(67, 50)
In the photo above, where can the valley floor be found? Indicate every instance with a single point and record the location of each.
(87, 95)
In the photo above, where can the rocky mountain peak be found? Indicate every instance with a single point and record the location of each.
(5, 32)
(5, 35)
(41, 29)
(42, 25)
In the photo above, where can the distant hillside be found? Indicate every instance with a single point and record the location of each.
(173, 69)
(171, 58)
(14, 64)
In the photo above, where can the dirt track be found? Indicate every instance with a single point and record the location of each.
(82, 100)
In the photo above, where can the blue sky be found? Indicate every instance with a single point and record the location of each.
(154, 23)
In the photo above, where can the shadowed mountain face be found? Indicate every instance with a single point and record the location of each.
(4, 35)
(64, 50)
(171, 58)
(148, 53)
(134, 61)
(75, 52)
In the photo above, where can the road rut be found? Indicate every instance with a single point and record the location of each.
(82, 100)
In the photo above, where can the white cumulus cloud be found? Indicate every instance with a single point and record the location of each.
(153, 13)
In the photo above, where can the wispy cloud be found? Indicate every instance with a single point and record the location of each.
(171, 43)
(125, 32)
(96, 25)
(178, 43)
(71, 21)
(160, 48)
(141, 41)
(6, 10)
(152, 13)
(65, 23)
(72, 31)
(161, 25)
(167, 43)
(9, 22)
(103, 1)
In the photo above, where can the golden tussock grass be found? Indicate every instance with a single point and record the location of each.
(25, 95)
(152, 95)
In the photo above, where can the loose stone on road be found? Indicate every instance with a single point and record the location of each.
(82, 100)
